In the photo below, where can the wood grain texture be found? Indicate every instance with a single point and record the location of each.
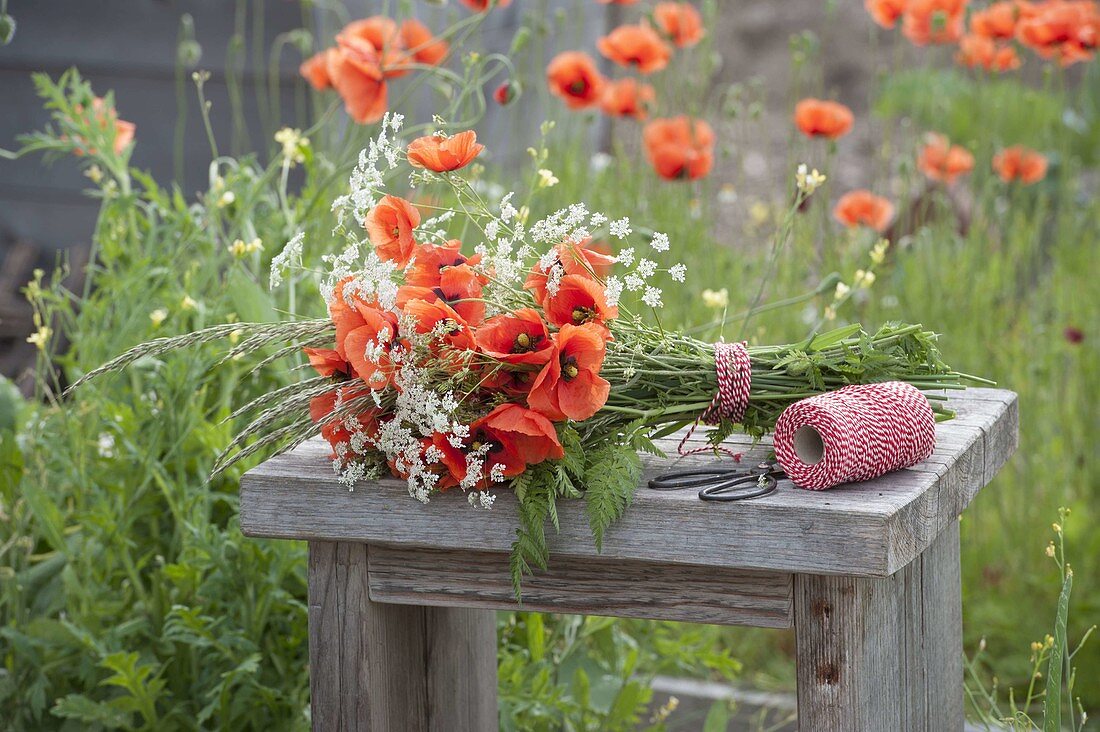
(682, 592)
(376, 667)
(872, 528)
(883, 653)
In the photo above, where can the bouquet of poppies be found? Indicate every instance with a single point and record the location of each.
(528, 362)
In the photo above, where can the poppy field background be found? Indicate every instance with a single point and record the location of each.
(129, 598)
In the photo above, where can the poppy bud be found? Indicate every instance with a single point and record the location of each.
(507, 93)
(7, 28)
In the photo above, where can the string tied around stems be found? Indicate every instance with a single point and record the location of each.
(731, 362)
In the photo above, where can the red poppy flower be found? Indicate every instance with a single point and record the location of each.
(356, 74)
(1020, 163)
(1068, 30)
(480, 6)
(327, 362)
(384, 36)
(531, 435)
(933, 21)
(364, 335)
(885, 12)
(431, 259)
(818, 118)
(983, 52)
(454, 335)
(679, 147)
(519, 338)
(442, 154)
(582, 259)
(998, 20)
(570, 385)
(627, 98)
(315, 69)
(573, 76)
(679, 21)
(942, 161)
(578, 300)
(863, 208)
(636, 46)
(422, 45)
(104, 117)
(1073, 335)
(459, 287)
(336, 431)
(390, 227)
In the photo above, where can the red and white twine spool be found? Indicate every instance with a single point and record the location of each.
(731, 361)
(855, 433)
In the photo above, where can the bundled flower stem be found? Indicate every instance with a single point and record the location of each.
(520, 363)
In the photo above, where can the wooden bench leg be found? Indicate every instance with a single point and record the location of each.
(376, 667)
(883, 654)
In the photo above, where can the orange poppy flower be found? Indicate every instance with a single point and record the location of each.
(570, 385)
(480, 6)
(636, 46)
(354, 71)
(336, 431)
(456, 336)
(531, 435)
(679, 21)
(519, 338)
(1020, 163)
(585, 259)
(364, 335)
(627, 98)
(933, 21)
(942, 161)
(1067, 30)
(384, 36)
(431, 260)
(327, 362)
(390, 227)
(679, 147)
(863, 208)
(441, 154)
(818, 118)
(103, 118)
(998, 20)
(459, 287)
(573, 76)
(885, 12)
(582, 259)
(578, 300)
(983, 52)
(315, 69)
(422, 45)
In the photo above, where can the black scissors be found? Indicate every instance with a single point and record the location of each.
(724, 484)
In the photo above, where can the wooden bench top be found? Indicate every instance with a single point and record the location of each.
(873, 528)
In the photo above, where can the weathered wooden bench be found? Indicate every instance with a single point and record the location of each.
(401, 595)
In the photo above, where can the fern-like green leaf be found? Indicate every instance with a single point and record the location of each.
(610, 478)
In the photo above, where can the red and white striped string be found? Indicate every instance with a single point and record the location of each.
(865, 431)
(731, 361)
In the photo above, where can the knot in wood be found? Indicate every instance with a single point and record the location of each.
(828, 673)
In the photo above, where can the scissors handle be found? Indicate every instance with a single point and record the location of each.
(742, 489)
(677, 481)
(722, 484)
